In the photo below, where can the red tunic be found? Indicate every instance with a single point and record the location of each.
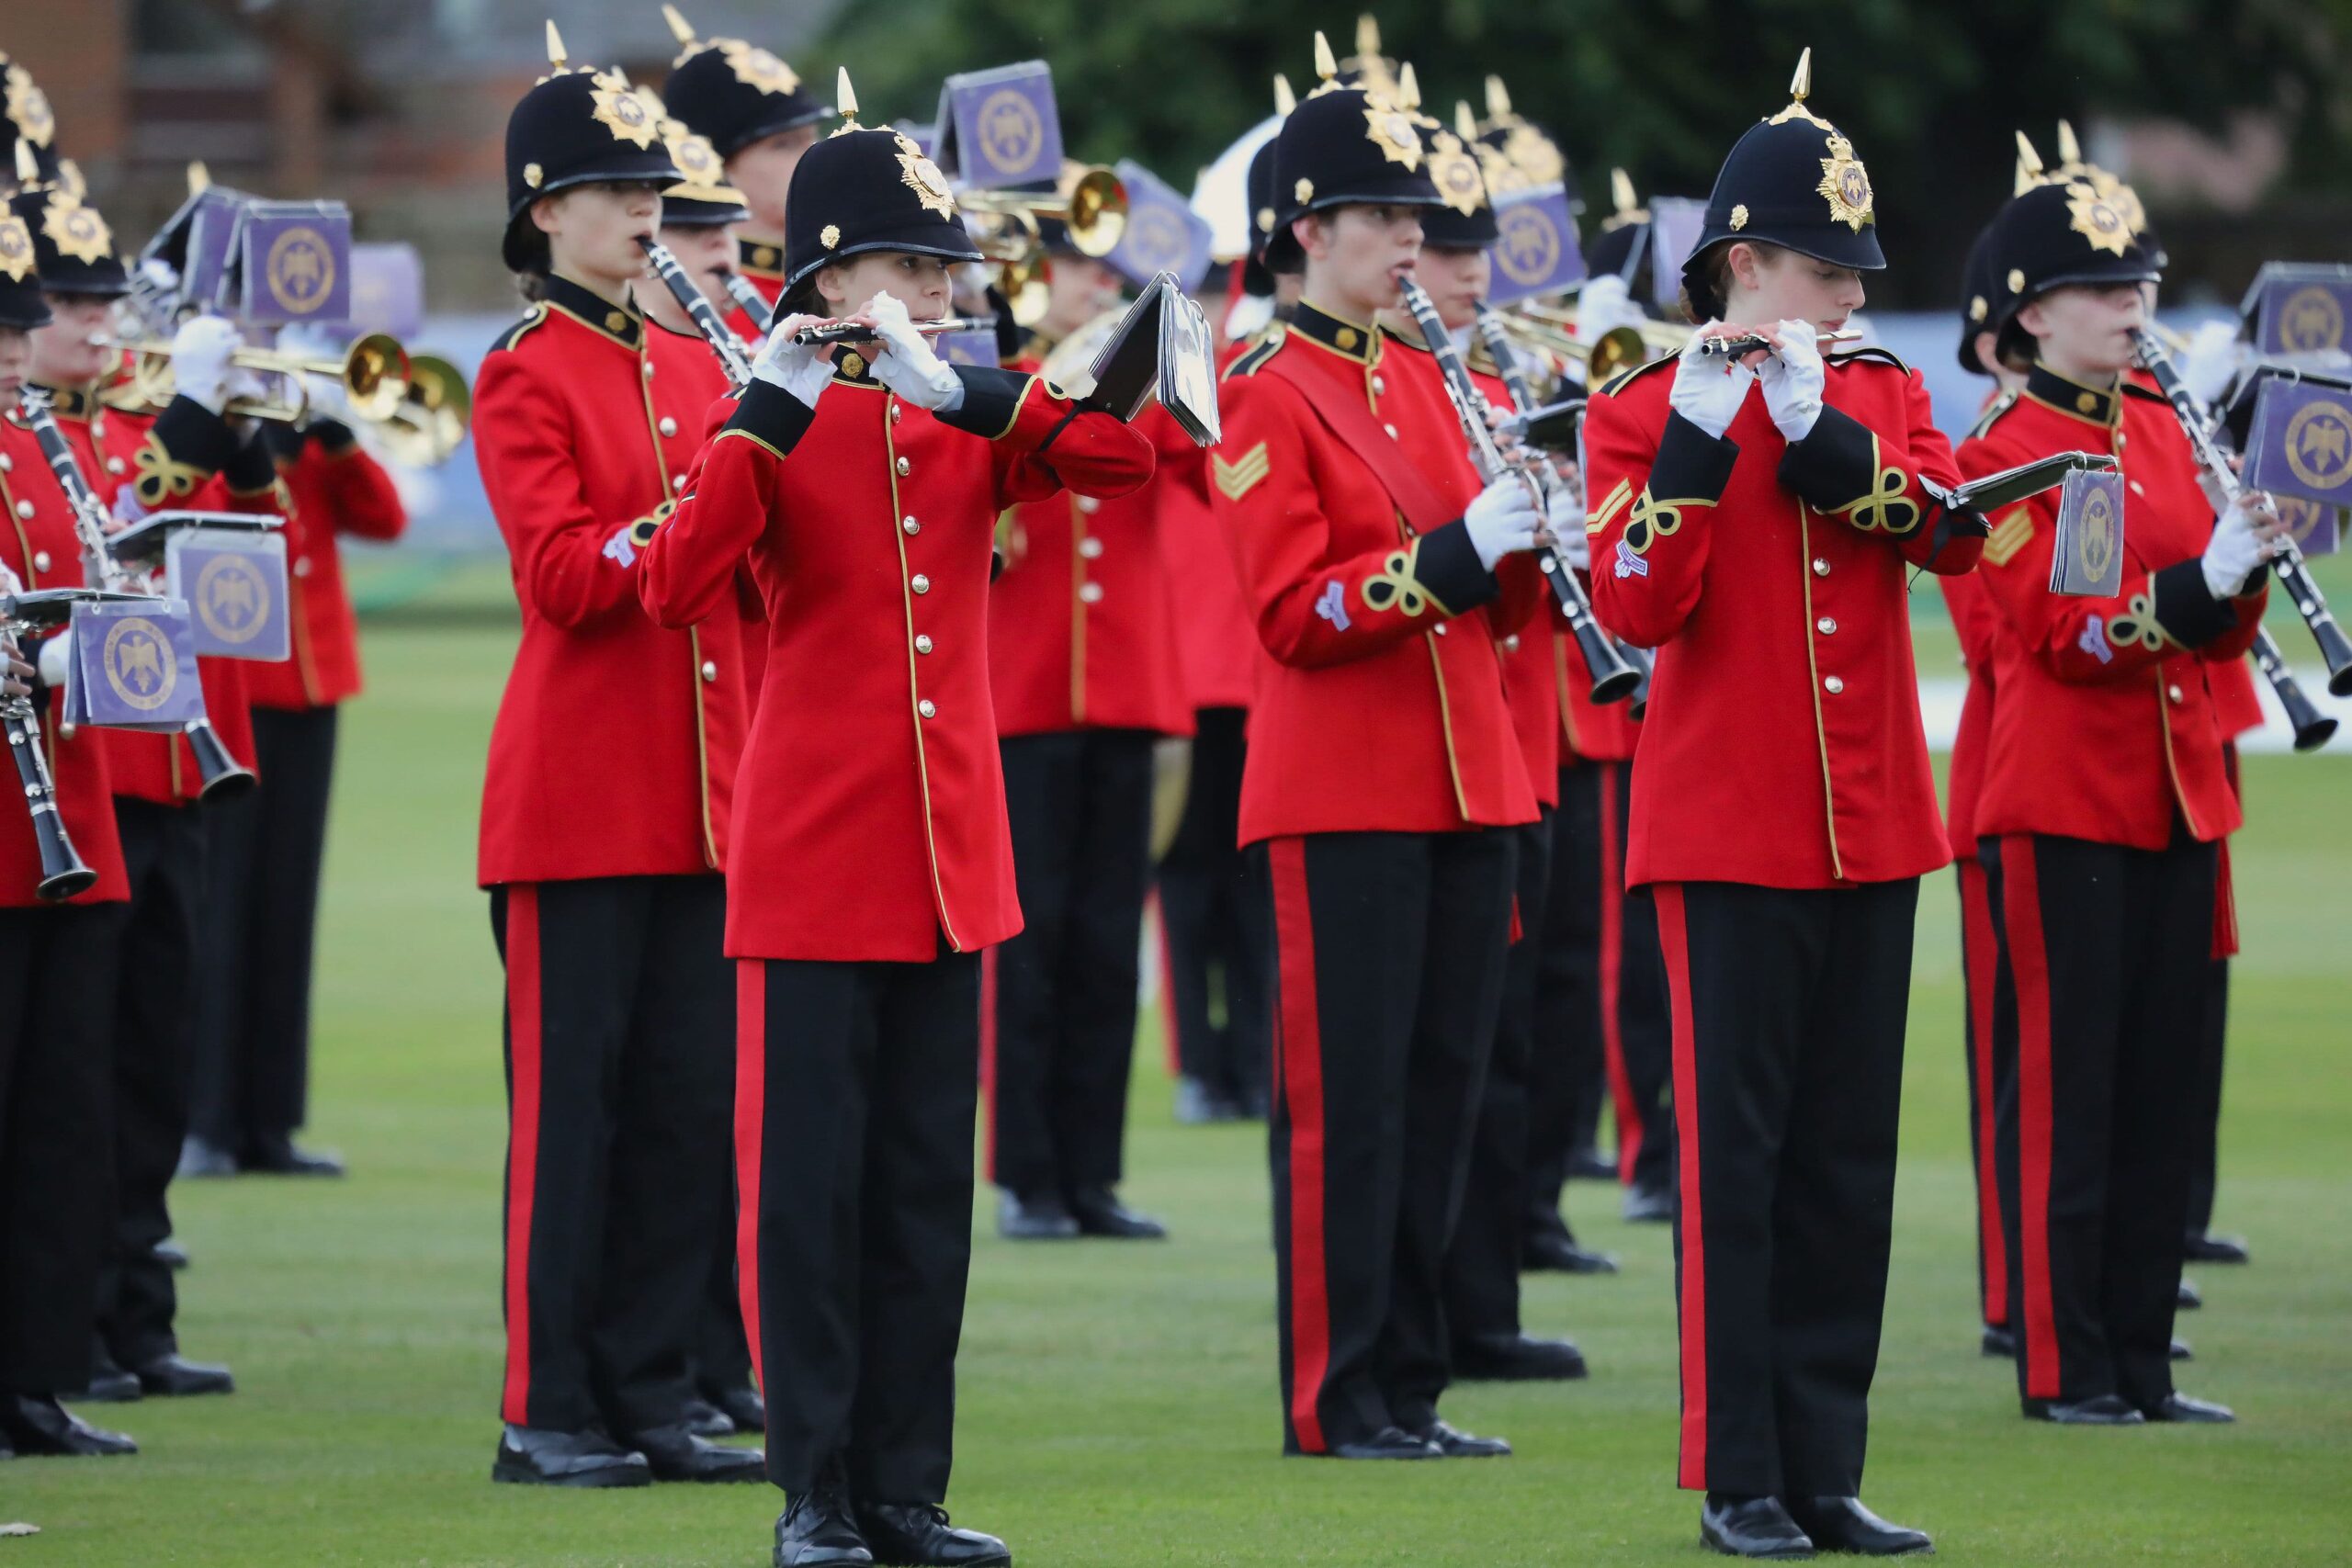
(1215, 644)
(40, 546)
(1782, 745)
(873, 801)
(1976, 623)
(2107, 724)
(1382, 706)
(333, 489)
(760, 263)
(614, 749)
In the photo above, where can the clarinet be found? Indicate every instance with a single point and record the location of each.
(63, 873)
(219, 773)
(1522, 393)
(1612, 677)
(716, 332)
(2289, 563)
(2312, 728)
(748, 300)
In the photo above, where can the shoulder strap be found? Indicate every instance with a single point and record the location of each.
(1423, 504)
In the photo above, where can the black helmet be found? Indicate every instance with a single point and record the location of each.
(704, 200)
(733, 91)
(2057, 234)
(1465, 221)
(1977, 282)
(577, 126)
(73, 248)
(867, 190)
(21, 304)
(1342, 146)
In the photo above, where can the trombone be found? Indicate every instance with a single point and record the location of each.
(1620, 348)
(375, 375)
(430, 421)
(1094, 207)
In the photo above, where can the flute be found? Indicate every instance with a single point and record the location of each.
(734, 357)
(1748, 343)
(852, 332)
(1612, 677)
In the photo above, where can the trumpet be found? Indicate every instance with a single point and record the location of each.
(1618, 349)
(852, 332)
(430, 422)
(374, 374)
(1093, 208)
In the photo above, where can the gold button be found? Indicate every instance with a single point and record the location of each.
(2174, 692)
(1091, 593)
(897, 414)
(928, 708)
(1832, 685)
(1392, 431)
(1511, 643)
(905, 467)
(921, 583)
(1820, 567)
(668, 426)
(24, 509)
(1345, 338)
(763, 256)
(40, 560)
(114, 464)
(911, 525)
(1090, 548)
(615, 321)
(303, 566)
(923, 643)
(1438, 628)
(1088, 504)
(2087, 401)
(709, 670)
(1825, 624)
(1378, 386)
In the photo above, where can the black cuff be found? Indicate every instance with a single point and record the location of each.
(1447, 567)
(1690, 465)
(1836, 464)
(252, 467)
(991, 397)
(772, 415)
(2186, 608)
(195, 437)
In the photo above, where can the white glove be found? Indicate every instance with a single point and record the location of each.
(57, 658)
(802, 369)
(1709, 391)
(1563, 519)
(906, 365)
(1603, 305)
(200, 369)
(2211, 360)
(1794, 377)
(1501, 521)
(2238, 548)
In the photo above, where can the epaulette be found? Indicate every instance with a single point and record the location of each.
(2133, 389)
(1257, 354)
(2000, 405)
(1624, 378)
(513, 334)
(1873, 352)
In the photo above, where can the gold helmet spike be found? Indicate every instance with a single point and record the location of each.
(1621, 192)
(846, 99)
(680, 26)
(555, 48)
(1367, 37)
(1801, 83)
(70, 180)
(199, 179)
(2070, 151)
(1465, 124)
(1497, 99)
(1326, 68)
(27, 167)
(1285, 99)
(1409, 87)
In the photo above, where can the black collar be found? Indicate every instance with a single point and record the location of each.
(70, 402)
(624, 323)
(853, 365)
(1342, 337)
(2089, 404)
(758, 258)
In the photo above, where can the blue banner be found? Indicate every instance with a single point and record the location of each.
(2299, 308)
(235, 584)
(1163, 233)
(2301, 440)
(1676, 223)
(294, 263)
(134, 667)
(1001, 127)
(1536, 251)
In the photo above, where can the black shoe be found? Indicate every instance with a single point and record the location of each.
(1389, 1442)
(533, 1456)
(170, 1255)
(170, 1377)
(2190, 1297)
(817, 1531)
(200, 1158)
(2204, 1248)
(741, 1405)
(1452, 1442)
(1034, 1219)
(1998, 1341)
(35, 1424)
(1516, 1357)
(1648, 1206)
(281, 1156)
(1842, 1524)
(917, 1535)
(1099, 1213)
(2103, 1410)
(108, 1384)
(2181, 1351)
(1590, 1164)
(705, 1419)
(1751, 1527)
(1549, 1254)
(674, 1453)
(2191, 1412)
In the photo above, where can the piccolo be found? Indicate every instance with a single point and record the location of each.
(1749, 342)
(734, 357)
(853, 331)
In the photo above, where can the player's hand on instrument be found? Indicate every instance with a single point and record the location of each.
(1564, 528)
(1793, 378)
(1603, 305)
(2245, 536)
(18, 679)
(1502, 520)
(201, 368)
(1707, 391)
(55, 657)
(801, 369)
(906, 365)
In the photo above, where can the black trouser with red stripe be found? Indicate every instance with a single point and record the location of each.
(57, 968)
(2205, 1130)
(1079, 806)
(620, 1019)
(1482, 1263)
(856, 1086)
(1980, 958)
(165, 850)
(1788, 1008)
(1387, 983)
(1220, 931)
(252, 1036)
(2101, 1004)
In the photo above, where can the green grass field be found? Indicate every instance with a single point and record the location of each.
(1118, 1403)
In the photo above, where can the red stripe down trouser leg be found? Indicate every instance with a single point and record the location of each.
(1788, 1016)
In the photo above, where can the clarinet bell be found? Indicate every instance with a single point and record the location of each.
(221, 775)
